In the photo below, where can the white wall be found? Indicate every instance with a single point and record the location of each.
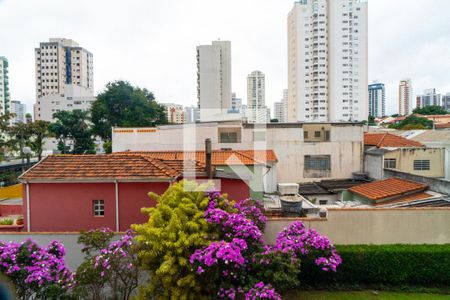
(345, 145)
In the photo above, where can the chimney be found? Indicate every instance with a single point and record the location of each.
(208, 158)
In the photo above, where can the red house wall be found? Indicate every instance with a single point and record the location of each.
(132, 197)
(68, 206)
(235, 188)
(58, 207)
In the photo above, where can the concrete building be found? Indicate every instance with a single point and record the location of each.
(446, 102)
(174, 113)
(306, 152)
(19, 110)
(388, 151)
(236, 103)
(405, 97)
(328, 61)
(63, 69)
(74, 97)
(191, 114)
(214, 80)
(4, 86)
(428, 98)
(377, 100)
(278, 112)
(257, 112)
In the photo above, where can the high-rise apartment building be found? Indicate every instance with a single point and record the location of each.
(5, 100)
(256, 98)
(377, 100)
(280, 108)
(174, 113)
(214, 80)
(64, 72)
(19, 110)
(191, 114)
(328, 61)
(429, 98)
(405, 97)
(236, 103)
(446, 102)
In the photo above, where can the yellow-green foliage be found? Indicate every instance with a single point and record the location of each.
(176, 228)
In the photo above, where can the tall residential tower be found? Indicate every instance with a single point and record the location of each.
(377, 100)
(5, 100)
(214, 80)
(328, 61)
(405, 97)
(64, 77)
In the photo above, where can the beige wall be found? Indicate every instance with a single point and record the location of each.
(405, 160)
(376, 226)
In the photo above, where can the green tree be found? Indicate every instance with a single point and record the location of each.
(176, 228)
(39, 131)
(73, 126)
(124, 105)
(430, 110)
(371, 121)
(413, 122)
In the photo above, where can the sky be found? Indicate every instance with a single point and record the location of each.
(152, 44)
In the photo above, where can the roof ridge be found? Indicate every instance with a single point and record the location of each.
(152, 160)
(381, 140)
(249, 157)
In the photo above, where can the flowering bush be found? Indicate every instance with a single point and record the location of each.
(301, 242)
(35, 271)
(118, 264)
(262, 291)
(201, 244)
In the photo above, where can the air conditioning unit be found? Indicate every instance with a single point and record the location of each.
(288, 188)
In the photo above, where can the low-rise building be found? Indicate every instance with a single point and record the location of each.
(258, 167)
(389, 151)
(82, 192)
(393, 192)
(306, 152)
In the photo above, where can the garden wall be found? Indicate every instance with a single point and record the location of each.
(376, 226)
(342, 227)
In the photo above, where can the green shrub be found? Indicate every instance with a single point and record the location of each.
(422, 265)
(176, 228)
(6, 221)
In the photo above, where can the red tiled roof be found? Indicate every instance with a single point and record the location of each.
(443, 125)
(381, 140)
(64, 167)
(387, 188)
(406, 199)
(219, 157)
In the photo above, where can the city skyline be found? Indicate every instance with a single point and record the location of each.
(170, 49)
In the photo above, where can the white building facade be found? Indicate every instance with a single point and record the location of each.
(214, 80)
(19, 111)
(428, 98)
(377, 100)
(306, 152)
(257, 112)
(328, 61)
(405, 92)
(280, 108)
(64, 70)
(5, 99)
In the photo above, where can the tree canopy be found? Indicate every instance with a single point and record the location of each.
(124, 105)
(430, 110)
(413, 122)
(74, 126)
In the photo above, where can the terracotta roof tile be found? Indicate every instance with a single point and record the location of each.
(406, 199)
(64, 167)
(219, 157)
(385, 140)
(387, 188)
